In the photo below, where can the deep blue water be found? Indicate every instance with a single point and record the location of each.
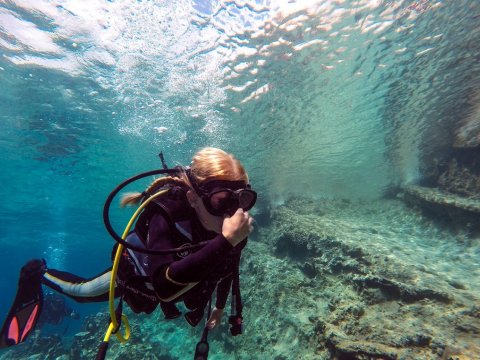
(339, 99)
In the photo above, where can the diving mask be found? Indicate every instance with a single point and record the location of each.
(222, 197)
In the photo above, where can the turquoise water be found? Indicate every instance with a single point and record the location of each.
(321, 99)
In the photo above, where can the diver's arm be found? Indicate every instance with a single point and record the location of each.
(192, 268)
(172, 278)
(168, 287)
(197, 266)
(171, 281)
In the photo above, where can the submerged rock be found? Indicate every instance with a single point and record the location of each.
(365, 280)
(395, 289)
(457, 208)
(361, 299)
(460, 178)
(361, 350)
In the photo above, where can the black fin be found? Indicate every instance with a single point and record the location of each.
(27, 306)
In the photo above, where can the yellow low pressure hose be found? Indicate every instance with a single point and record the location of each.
(114, 323)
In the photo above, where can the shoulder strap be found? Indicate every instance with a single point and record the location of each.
(174, 205)
(175, 209)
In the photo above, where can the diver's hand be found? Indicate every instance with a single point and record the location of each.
(215, 318)
(237, 227)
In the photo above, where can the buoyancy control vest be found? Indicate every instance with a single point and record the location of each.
(135, 271)
(139, 292)
(175, 210)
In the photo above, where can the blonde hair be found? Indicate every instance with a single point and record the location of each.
(215, 164)
(207, 164)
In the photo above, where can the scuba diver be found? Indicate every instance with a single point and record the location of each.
(55, 309)
(185, 246)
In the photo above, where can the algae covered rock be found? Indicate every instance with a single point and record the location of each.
(327, 279)
(365, 295)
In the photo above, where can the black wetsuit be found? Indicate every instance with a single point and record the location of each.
(146, 280)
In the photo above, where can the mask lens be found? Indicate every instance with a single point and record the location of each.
(227, 200)
(246, 199)
(221, 201)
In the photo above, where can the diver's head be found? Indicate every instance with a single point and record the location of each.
(218, 187)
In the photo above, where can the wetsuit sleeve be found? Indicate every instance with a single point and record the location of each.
(175, 279)
(198, 265)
